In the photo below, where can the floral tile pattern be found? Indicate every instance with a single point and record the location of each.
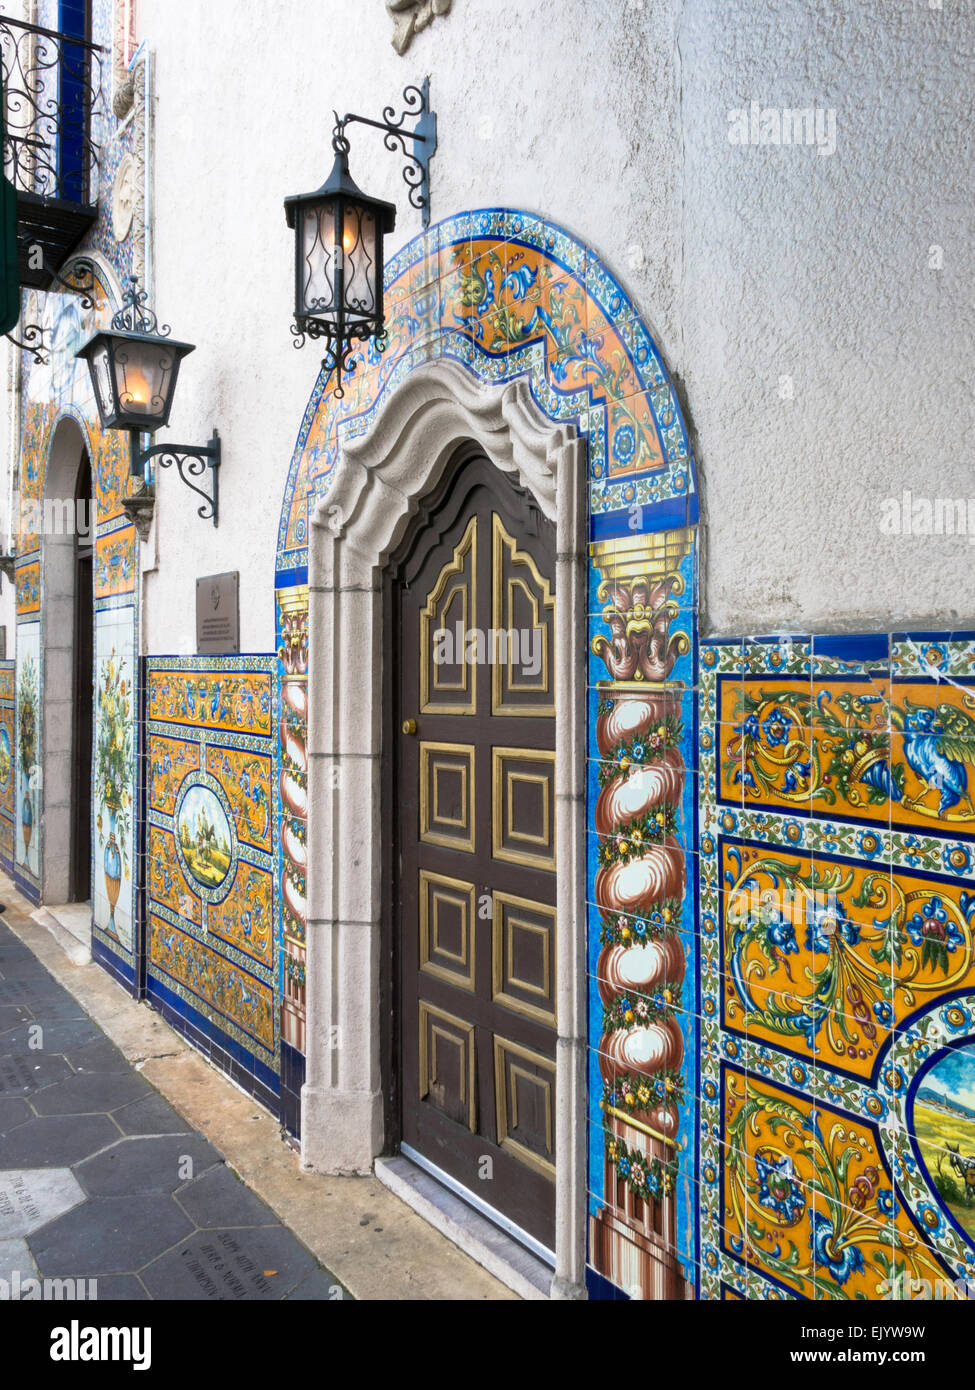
(837, 1105)
(212, 847)
(8, 769)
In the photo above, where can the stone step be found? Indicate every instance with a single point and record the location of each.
(70, 925)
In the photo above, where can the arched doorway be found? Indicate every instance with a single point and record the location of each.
(381, 480)
(469, 654)
(67, 631)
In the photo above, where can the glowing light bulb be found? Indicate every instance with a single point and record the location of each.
(137, 389)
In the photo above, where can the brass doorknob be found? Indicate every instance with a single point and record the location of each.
(409, 726)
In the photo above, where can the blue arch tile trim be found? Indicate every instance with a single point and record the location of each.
(673, 484)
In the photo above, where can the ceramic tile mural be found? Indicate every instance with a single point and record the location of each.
(115, 562)
(837, 1129)
(780, 832)
(211, 858)
(8, 765)
(507, 294)
(115, 789)
(27, 794)
(54, 392)
(28, 588)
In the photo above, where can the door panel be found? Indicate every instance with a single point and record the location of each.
(472, 617)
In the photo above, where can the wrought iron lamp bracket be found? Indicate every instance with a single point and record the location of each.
(85, 289)
(416, 171)
(191, 461)
(32, 334)
(32, 341)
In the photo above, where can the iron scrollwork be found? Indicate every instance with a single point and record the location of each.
(134, 314)
(48, 147)
(416, 172)
(32, 341)
(32, 334)
(193, 461)
(72, 280)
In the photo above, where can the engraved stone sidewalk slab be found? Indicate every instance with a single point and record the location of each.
(30, 1197)
(262, 1263)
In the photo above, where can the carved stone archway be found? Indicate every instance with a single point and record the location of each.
(58, 522)
(378, 482)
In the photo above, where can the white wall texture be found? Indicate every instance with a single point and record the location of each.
(750, 264)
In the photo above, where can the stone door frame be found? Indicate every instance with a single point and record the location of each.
(379, 479)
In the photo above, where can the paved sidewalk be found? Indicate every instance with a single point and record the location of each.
(100, 1178)
(114, 1090)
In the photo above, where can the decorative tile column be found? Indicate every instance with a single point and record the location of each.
(639, 891)
(293, 655)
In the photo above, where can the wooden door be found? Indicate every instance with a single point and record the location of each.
(473, 602)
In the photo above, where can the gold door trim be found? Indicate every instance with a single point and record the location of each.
(533, 779)
(454, 567)
(438, 683)
(528, 1156)
(428, 932)
(428, 1011)
(501, 539)
(501, 947)
(501, 802)
(435, 837)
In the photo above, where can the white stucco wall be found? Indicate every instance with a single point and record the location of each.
(816, 268)
(749, 264)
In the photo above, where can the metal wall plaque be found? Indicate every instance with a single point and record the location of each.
(218, 614)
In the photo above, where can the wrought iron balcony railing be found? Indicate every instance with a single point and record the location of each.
(52, 86)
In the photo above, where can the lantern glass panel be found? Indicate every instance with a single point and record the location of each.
(100, 364)
(359, 244)
(317, 269)
(144, 377)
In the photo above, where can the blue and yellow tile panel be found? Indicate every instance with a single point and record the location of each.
(8, 766)
(837, 905)
(211, 850)
(508, 294)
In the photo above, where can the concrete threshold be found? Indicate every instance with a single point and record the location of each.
(360, 1229)
(495, 1251)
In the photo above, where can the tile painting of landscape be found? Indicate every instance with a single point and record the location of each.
(204, 834)
(944, 1122)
